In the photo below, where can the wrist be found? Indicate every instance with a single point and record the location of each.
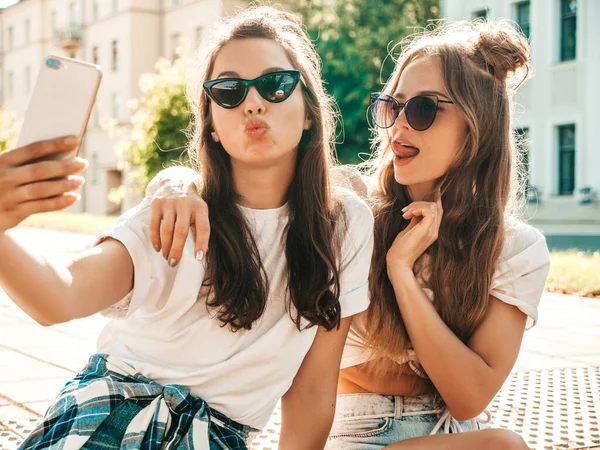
(400, 270)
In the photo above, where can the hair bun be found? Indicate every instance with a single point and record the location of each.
(503, 49)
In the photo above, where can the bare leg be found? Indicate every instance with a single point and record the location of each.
(491, 439)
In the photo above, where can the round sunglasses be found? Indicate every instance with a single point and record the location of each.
(274, 87)
(420, 111)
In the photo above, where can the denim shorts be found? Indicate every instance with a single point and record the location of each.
(371, 421)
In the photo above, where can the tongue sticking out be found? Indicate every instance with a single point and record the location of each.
(406, 152)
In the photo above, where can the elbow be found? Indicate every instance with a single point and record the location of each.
(48, 321)
(55, 318)
(44, 321)
(467, 411)
(469, 406)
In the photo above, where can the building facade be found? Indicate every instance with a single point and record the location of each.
(125, 37)
(558, 111)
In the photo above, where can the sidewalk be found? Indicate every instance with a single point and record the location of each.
(35, 362)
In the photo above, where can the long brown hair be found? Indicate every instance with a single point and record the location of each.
(483, 63)
(234, 273)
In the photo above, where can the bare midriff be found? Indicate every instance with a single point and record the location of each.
(404, 382)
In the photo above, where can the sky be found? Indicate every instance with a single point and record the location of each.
(4, 3)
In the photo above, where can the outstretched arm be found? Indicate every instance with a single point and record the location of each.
(52, 293)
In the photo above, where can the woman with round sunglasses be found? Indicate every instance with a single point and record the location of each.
(456, 278)
(200, 352)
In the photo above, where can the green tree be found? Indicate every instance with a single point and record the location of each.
(155, 136)
(354, 40)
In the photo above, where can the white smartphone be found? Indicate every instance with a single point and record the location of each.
(61, 102)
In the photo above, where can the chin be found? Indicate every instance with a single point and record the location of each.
(267, 155)
(405, 178)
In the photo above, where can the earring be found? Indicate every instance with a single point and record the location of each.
(215, 136)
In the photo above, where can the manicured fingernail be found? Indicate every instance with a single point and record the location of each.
(71, 140)
(405, 208)
(166, 257)
(77, 181)
(200, 255)
(78, 162)
(157, 248)
(173, 262)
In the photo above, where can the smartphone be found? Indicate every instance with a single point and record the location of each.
(61, 103)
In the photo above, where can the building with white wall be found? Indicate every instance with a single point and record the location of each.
(125, 37)
(560, 113)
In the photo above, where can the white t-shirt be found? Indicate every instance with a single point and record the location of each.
(167, 333)
(519, 280)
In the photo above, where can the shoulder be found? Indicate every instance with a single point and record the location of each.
(522, 238)
(354, 179)
(354, 207)
(137, 217)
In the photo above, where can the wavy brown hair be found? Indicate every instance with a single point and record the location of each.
(483, 63)
(235, 274)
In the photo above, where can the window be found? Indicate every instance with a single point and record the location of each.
(11, 38)
(116, 106)
(95, 58)
(11, 84)
(174, 46)
(27, 31)
(566, 159)
(522, 14)
(115, 55)
(115, 6)
(480, 14)
(27, 79)
(96, 10)
(175, 2)
(522, 136)
(54, 23)
(568, 30)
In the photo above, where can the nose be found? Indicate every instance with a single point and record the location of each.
(401, 121)
(254, 103)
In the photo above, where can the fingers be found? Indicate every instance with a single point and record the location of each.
(420, 209)
(180, 234)
(31, 152)
(427, 217)
(170, 223)
(166, 231)
(202, 229)
(47, 170)
(49, 204)
(47, 189)
(156, 213)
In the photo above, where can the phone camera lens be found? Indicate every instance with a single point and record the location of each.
(52, 63)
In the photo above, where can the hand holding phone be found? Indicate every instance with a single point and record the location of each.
(34, 180)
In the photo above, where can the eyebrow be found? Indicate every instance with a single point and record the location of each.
(231, 74)
(400, 96)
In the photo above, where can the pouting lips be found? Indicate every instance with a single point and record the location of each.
(256, 124)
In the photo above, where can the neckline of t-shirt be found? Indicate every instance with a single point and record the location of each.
(266, 214)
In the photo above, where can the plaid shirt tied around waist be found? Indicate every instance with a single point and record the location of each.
(110, 406)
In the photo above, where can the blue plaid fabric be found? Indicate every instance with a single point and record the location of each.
(109, 406)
